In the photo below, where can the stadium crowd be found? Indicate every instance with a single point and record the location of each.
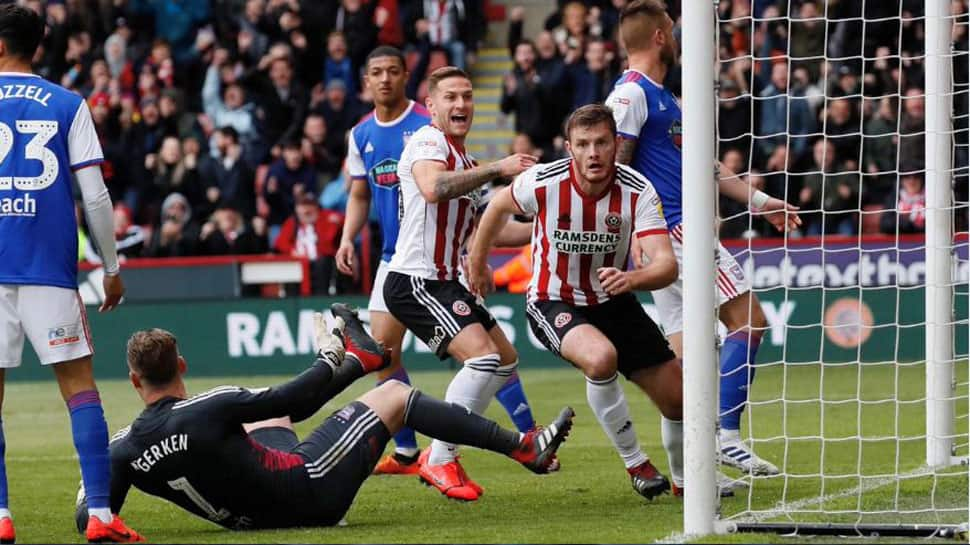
(224, 123)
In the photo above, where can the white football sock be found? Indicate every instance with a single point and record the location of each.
(609, 405)
(103, 513)
(471, 388)
(672, 435)
(729, 435)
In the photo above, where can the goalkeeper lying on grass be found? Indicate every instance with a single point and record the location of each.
(230, 454)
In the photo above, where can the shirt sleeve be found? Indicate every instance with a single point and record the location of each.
(83, 146)
(355, 163)
(629, 105)
(429, 145)
(524, 192)
(650, 214)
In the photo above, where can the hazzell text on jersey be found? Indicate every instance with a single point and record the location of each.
(585, 242)
(30, 92)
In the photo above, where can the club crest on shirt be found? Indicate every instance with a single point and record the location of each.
(562, 319)
(613, 222)
(461, 308)
(676, 133)
(384, 173)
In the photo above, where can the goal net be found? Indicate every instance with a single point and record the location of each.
(855, 111)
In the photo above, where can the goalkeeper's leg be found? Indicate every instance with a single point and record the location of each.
(743, 317)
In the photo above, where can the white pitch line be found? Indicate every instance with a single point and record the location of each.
(782, 508)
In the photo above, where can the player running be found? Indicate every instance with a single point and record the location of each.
(648, 118)
(46, 132)
(374, 147)
(441, 193)
(580, 303)
(199, 453)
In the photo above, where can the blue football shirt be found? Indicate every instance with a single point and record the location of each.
(45, 132)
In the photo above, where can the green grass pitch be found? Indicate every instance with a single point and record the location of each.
(589, 501)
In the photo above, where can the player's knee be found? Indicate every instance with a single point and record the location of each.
(600, 362)
(395, 389)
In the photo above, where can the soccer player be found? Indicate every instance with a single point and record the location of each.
(440, 194)
(648, 118)
(46, 132)
(374, 147)
(200, 454)
(580, 303)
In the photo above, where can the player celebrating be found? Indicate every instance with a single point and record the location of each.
(648, 118)
(199, 454)
(45, 132)
(580, 303)
(440, 191)
(375, 145)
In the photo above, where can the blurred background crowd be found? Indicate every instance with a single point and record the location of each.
(224, 122)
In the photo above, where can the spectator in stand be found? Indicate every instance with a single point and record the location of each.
(592, 78)
(784, 114)
(254, 28)
(879, 153)
(574, 31)
(315, 234)
(288, 179)
(912, 139)
(160, 63)
(77, 59)
(337, 65)
(734, 117)
(842, 129)
(340, 112)
(282, 101)
(175, 120)
(829, 194)
(228, 233)
(175, 22)
(355, 19)
(176, 235)
(521, 143)
(172, 173)
(532, 98)
(325, 162)
(121, 68)
(906, 212)
(229, 177)
(129, 238)
(387, 18)
(230, 108)
(454, 26)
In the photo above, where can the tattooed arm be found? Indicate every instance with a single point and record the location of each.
(437, 183)
(625, 151)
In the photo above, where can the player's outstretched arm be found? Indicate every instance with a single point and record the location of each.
(358, 206)
(496, 216)
(437, 183)
(778, 212)
(659, 268)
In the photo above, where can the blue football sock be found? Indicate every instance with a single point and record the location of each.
(737, 373)
(91, 442)
(512, 397)
(3, 470)
(404, 440)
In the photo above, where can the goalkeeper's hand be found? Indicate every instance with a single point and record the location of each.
(780, 214)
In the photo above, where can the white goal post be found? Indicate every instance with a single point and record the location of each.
(867, 444)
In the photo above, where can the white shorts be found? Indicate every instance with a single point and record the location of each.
(377, 290)
(53, 319)
(730, 280)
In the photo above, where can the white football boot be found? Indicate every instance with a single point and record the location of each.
(733, 452)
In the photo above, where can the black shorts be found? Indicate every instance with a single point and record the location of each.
(340, 454)
(638, 341)
(435, 310)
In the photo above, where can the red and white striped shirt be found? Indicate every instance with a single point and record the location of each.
(575, 234)
(433, 235)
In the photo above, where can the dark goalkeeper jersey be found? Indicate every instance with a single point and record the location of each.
(195, 453)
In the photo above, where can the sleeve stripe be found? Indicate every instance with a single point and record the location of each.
(85, 164)
(649, 232)
(514, 200)
(627, 136)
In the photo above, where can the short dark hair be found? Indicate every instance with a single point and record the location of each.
(153, 356)
(229, 131)
(589, 116)
(21, 30)
(444, 73)
(387, 51)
